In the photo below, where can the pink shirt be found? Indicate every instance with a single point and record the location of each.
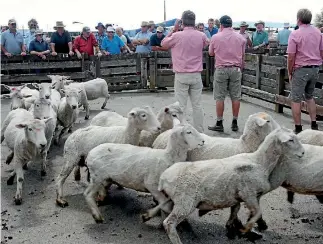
(228, 47)
(307, 44)
(187, 49)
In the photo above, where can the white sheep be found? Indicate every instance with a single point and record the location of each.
(257, 127)
(313, 137)
(78, 145)
(67, 113)
(47, 92)
(221, 183)
(166, 116)
(134, 167)
(22, 97)
(26, 145)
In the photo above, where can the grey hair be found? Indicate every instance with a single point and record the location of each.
(304, 15)
(188, 18)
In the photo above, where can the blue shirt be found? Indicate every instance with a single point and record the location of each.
(112, 46)
(213, 31)
(259, 37)
(99, 38)
(155, 41)
(12, 42)
(143, 48)
(38, 46)
(283, 36)
(207, 33)
(28, 38)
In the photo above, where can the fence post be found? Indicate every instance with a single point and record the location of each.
(143, 72)
(97, 62)
(208, 68)
(280, 87)
(258, 70)
(153, 71)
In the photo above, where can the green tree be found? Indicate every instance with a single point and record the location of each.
(318, 22)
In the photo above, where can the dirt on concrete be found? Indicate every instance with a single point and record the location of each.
(40, 221)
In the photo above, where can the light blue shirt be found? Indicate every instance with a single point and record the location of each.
(112, 46)
(28, 38)
(143, 48)
(12, 42)
(283, 36)
(207, 33)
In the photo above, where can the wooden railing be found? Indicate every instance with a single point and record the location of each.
(264, 76)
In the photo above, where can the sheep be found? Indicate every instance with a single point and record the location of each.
(136, 167)
(78, 145)
(26, 145)
(257, 127)
(67, 113)
(46, 92)
(221, 183)
(313, 137)
(166, 116)
(22, 97)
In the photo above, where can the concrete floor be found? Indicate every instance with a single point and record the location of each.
(39, 220)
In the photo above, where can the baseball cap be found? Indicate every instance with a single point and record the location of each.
(225, 20)
(12, 21)
(160, 29)
(86, 29)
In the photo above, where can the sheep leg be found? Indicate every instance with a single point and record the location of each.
(254, 208)
(233, 224)
(57, 134)
(77, 173)
(43, 163)
(87, 111)
(11, 178)
(9, 158)
(105, 101)
(290, 197)
(20, 180)
(89, 195)
(70, 129)
(102, 193)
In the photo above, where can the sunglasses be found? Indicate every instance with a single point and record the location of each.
(159, 32)
(144, 26)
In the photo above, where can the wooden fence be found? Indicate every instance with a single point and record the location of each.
(264, 77)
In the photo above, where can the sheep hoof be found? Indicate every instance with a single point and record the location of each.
(290, 197)
(43, 173)
(320, 198)
(231, 232)
(10, 180)
(102, 107)
(262, 225)
(145, 217)
(87, 117)
(62, 203)
(252, 235)
(99, 219)
(18, 201)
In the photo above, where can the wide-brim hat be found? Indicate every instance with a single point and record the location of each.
(243, 24)
(110, 29)
(144, 23)
(59, 24)
(260, 22)
(12, 21)
(160, 29)
(286, 25)
(151, 23)
(100, 24)
(39, 32)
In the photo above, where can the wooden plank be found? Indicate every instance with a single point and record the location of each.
(119, 70)
(171, 72)
(164, 60)
(320, 78)
(268, 69)
(274, 60)
(268, 89)
(163, 54)
(153, 73)
(276, 51)
(258, 67)
(121, 87)
(250, 57)
(41, 65)
(118, 63)
(143, 72)
(122, 79)
(32, 58)
(249, 78)
(123, 56)
(256, 93)
(280, 87)
(268, 82)
(165, 81)
(248, 84)
(250, 66)
(249, 72)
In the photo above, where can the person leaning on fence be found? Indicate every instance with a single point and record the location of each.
(119, 33)
(12, 42)
(151, 27)
(244, 33)
(142, 39)
(260, 36)
(99, 36)
(61, 41)
(228, 47)
(112, 44)
(283, 35)
(305, 54)
(86, 43)
(29, 35)
(39, 46)
(186, 47)
(156, 39)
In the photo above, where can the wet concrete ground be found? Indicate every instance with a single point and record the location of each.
(39, 221)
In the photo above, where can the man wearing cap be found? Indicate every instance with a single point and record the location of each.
(61, 41)
(283, 35)
(12, 42)
(305, 55)
(243, 32)
(112, 44)
(259, 37)
(142, 39)
(100, 34)
(38, 46)
(156, 39)
(228, 47)
(186, 47)
(151, 27)
(85, 43)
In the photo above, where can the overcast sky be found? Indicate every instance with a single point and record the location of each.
(129, 14)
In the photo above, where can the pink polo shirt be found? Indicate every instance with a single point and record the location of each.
(187, 49)
(228, 48)
(307, 43)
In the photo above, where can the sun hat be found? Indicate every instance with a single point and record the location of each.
(59, 24)
(100, 24)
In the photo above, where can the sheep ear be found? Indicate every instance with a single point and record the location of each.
(283, 137)
(23, 86)
(35, 85)
(261, 122)
(25, 96)
(48, 120)
(62, 91)
(176, 122)
(166, 110)
(21, 126)
(79, 91)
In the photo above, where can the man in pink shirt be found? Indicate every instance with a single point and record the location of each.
(186, 47)
(305, 54)
(228, 47)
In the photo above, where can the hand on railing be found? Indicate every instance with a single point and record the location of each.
(8, 54)
(71, 53)
(79, 55)
(23, 54)
(54, 53)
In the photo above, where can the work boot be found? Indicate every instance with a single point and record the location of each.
(217, 127)
(314, 126)
(298, 129)
(234, 125)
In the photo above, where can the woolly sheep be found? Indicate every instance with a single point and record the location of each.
(134, 167)
(166, 116)
(25, 144)
(78, 145)
(257, 127)
(22, 97)
(46, 92)
(67, 112)
(221, 183)
(313, 137)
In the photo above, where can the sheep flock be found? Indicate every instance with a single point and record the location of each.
(159, 154)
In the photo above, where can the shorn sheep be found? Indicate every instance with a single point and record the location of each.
(46, 92)
(26, 144)
(166, 116)
(257, 127)
(222, 183)
(78, 145)
(136, 167)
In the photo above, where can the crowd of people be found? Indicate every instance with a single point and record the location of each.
(186, 40)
